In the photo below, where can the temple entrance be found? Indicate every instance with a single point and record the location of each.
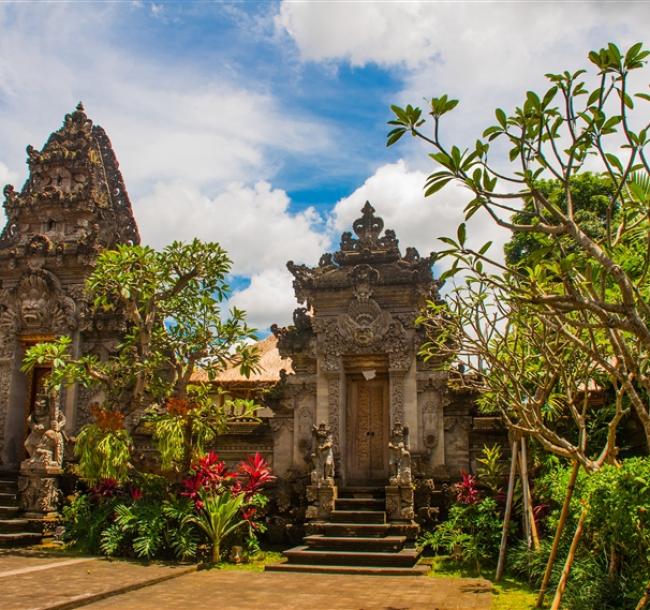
(367, 423)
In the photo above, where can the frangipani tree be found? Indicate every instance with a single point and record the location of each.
(573, 313)
(588, 288)
(170, 302)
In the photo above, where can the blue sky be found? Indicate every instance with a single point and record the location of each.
(261, 125)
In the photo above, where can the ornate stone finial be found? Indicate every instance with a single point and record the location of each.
(369, 226)
(368, 246)
(80, 107)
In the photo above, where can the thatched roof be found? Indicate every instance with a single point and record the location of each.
(270, 364)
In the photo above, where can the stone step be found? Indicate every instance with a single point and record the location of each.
(358, 516)
(10, 526)
(362, 492)
(387, 544)
(7, 512)
(404, 558)
(20, 539)
(363, 530)
(360, 503)
(8, 486)
(418, 570)
(8, 499)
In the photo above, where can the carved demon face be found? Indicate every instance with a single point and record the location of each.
(34, 305)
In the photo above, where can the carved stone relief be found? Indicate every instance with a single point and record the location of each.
(37, 303)
(334, 408)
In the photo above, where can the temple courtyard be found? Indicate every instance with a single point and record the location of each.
(40, 580)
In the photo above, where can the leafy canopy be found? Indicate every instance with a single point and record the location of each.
(569, 310)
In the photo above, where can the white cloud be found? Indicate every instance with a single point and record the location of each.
(396, 193)
(6, 175)
(361, 32)
(487, 54)
(167, 119)
(253, 223)
(268, 300)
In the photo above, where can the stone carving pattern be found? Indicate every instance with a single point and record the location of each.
(38, 494)
(37, 303)
(428, 424)
(397, 396)
(5, 381)
(334, 399)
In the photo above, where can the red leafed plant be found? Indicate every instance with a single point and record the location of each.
(224, 504)
(466, 490)
(258, 472)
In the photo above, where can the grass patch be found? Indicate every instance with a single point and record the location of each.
(509, 594)
(255, 563)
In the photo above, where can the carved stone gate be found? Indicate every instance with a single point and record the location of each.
(358, 322)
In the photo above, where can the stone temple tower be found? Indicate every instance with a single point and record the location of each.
(72, 206)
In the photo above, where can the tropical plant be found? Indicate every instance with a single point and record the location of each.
(583, 291)
(223, 504)
(490, 470)
(470, 534)
(146, 519)
(572, 314)
(170, 303)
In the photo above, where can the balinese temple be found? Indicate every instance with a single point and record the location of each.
(348, 405)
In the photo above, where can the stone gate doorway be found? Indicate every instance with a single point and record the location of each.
(367, 428)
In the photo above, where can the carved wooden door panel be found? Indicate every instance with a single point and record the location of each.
(367, 429)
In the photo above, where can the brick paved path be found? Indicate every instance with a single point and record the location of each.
(40, 581)
(240, 590)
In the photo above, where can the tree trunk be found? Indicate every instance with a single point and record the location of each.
(508, 513)
(558, 534)
(527, 497)
(525, 513)
(645, 598)
(569, 561)
(216, 552)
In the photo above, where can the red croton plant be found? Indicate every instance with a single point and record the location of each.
(224, 499)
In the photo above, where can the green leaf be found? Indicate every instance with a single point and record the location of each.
(485, 247)
(501, 117)
(394, 135)
(461, 234)
(614, 161)
(548, 97)
(436, 186)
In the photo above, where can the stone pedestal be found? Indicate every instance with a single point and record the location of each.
(38, 486)
(399, 502)
(321, 502)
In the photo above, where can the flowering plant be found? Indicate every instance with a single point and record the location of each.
(466, 490)
(223, 502)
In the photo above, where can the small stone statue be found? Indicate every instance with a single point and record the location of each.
(322, 456)
(400, 456)
(45, 445)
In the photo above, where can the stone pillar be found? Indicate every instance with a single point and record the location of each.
(399, 502)
(39, 491)
(321, 502)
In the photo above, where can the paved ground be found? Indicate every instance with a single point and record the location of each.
(31, 581)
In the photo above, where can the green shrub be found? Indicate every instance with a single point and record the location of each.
(612, 564)
(471, 533)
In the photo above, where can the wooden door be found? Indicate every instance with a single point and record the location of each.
(367, 429)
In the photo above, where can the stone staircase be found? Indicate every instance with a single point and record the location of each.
(357, 540)
(14, 530)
